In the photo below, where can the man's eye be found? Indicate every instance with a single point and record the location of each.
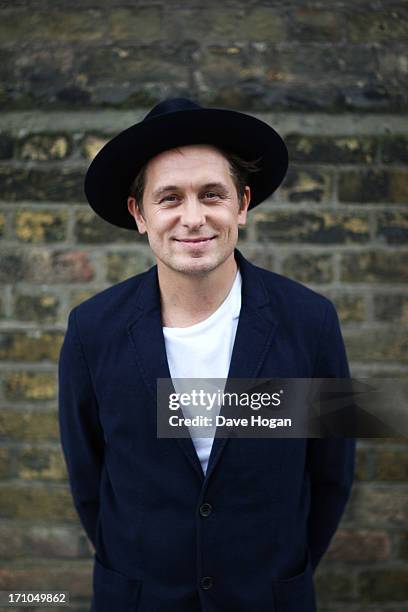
(168, 198)
(211, 194)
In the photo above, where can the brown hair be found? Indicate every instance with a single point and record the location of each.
(240, 169)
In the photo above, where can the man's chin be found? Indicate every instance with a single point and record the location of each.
(197, 269)
(196, 266)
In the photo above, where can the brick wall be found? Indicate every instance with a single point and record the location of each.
(331, 77)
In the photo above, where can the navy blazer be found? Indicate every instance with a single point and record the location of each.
(248, 536)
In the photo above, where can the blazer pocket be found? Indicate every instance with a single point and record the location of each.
(295, 593)
(113, 590)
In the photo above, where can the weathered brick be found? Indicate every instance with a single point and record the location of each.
(375, 266)
(36, 502)
(381, 585)
(305, 185)
(91, 229)
(278, 77)
(392, 62)
(307, 267)
(2, 225)
(385, 506)
(71, 266)
(6, 462)
(378, 26)
(13, 266)
(391, 307)
(214, 24)
(138, 23)
(40, 226)
(359, 545)
(47, 26)
(223, 64)
(242, 235)
(120, 266)
(341, 66)
(330, 149)
(392, 227)
(44, 147)
(37, 77)
(91, 145)
(262, 23)
(402, 545)
(11, 538)
(46, 575)
(394, 149)
(29, 425)
(374, 186)
(33, 345)
(259, 256)
(103, 69)
(38, 541)
(378, 345)
(316, 227)
(391, 465)
(29, 386)
(62, 95)
(248, 95)
(350, 307)
(309, 24)
(41, 308)
(220, 24)
(52, 541)
(6, 146)
(361, 471)
(36, 462)
(370, 94)
(41, 185)
(42, 265)
(267, 77)
(398, 440)
(334, 586)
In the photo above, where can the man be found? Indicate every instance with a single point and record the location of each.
(186, 525)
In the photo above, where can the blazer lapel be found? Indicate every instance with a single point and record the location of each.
(147, 338)
(255, 331)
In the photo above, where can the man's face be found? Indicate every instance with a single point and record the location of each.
(191, 210)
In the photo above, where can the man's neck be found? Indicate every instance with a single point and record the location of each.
(187, 300)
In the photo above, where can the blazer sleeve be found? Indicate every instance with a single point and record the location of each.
(81, 434)
(330, 460)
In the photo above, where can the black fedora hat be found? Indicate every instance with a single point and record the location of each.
(172, 123)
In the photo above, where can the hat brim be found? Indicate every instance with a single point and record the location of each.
(115, 166)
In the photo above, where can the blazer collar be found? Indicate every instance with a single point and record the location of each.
(256, 328)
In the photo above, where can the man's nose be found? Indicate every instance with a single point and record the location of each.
(192, 212)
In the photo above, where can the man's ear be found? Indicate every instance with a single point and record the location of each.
(246, 198)
(134, 210)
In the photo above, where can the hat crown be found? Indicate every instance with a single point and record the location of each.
(171, 105)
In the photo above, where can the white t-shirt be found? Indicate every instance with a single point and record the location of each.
(204, 350)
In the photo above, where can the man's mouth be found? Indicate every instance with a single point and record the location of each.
(196, 240)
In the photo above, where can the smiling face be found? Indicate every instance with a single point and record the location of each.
(191, 210)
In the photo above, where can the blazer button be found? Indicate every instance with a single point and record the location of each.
(205, 509)
(206, 582)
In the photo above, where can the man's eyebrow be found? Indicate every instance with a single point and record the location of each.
(161, 190)
(213, 185)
